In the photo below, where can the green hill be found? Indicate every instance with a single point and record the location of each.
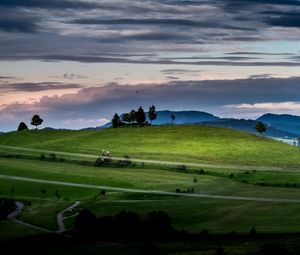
(174, 143)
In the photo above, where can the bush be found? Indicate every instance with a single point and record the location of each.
(253, 232)
(231, 175)
(195, 180)
(52, 156)
(42, 157)
(178, 190)
(181, 167)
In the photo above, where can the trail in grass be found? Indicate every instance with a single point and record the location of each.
(60, 217)
(158, 192)
(155, 162)
(13, 216)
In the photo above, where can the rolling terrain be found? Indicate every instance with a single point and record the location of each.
(231, 180)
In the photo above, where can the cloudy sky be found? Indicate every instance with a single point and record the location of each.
(76, 63)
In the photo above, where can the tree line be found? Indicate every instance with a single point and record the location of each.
(134, 118)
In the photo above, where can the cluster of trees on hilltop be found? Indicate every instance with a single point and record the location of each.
(134, 118)
(35, 121)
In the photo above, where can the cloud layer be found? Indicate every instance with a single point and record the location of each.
(240, 98)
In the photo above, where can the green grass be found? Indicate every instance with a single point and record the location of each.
(11, 230)
(175, 143)
(192, 214)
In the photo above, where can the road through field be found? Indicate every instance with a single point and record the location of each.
(155, 162)
(158, 192)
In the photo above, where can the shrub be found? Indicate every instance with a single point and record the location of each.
(195, 180)
(253, 232)
(52, 156)
(178, 190)
(181, 167)
(42, 157)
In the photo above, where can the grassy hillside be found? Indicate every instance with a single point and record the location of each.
(176, 143)
(192, 214)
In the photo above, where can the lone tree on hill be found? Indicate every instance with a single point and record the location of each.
(140, 116)
(152, 114)
(36, 121)
(260, 127)
(116, 121)
(22, 126)
(173, 117)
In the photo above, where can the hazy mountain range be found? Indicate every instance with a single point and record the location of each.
(278, 125)
(281, 126)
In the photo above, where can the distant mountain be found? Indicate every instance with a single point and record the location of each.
(285, 122)
(183, 117)
(249, 126)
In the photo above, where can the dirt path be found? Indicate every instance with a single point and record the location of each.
(159, 162)
(14, 214)
(60, 217)
(158, 192)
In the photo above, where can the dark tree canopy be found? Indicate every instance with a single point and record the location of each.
(116, 121)
(36, 121)
(260, 127)
(152, 114)
(140, 116)
(22, 126)
(85, 221)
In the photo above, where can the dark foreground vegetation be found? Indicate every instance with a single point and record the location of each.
(6, 207)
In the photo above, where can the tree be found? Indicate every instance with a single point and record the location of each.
(173, 117)
(260, 127)
(133, 116)
(126, 117)
(36, 121)
(152, 114)
(140, 116)
(22, 126)
(85, 221)
(116, 121)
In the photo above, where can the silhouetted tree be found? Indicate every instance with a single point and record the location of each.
(36, 121)
(253, 232)
(152, 114)
(22, 126)
(260, 127)
(173, 117)
(159, 224)
(126, 117)
(85, 221)
(116, 121)
(140, 116)
(133, 116)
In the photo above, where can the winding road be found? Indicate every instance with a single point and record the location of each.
(60, 217)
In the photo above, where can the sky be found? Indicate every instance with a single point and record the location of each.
(76, 63)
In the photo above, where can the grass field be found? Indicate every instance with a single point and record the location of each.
(175, 143)
(188, 144)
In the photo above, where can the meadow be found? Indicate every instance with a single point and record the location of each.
(279, 179)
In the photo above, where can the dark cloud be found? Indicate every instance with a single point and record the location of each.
(158, 22)
(51, 4)
(103, 102)
(34, 87)
(259, 53)
(17, 21)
